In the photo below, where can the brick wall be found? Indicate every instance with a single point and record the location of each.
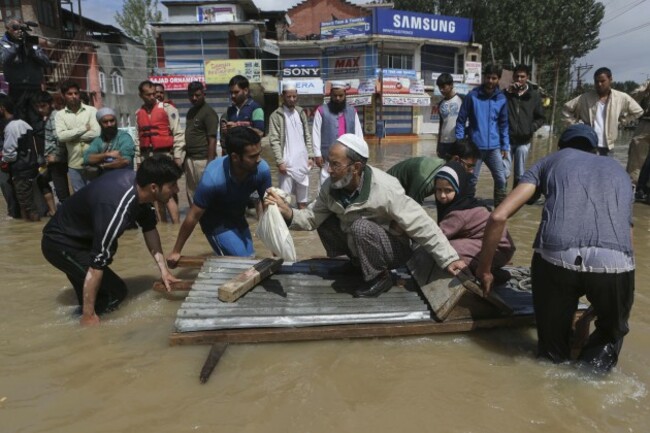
(307, 16)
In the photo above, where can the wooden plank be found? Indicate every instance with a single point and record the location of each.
(371, 330)
(493, 298)
(238, 286)
(179, 289)
(441, 291)
(212, 360)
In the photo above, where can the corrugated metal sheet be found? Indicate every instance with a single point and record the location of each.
(300, 294)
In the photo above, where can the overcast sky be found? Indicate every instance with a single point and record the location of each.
(627, 55)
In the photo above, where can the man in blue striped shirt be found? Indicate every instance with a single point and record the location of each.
(81, 239)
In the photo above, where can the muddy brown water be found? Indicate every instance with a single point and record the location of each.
(123, 376)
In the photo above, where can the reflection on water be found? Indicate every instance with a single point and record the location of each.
(123, 377)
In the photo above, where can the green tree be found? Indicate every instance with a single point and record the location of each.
(134, 19)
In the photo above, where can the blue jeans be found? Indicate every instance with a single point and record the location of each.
(494, 161)
(231, 242)
(77, 180)
(519, 153)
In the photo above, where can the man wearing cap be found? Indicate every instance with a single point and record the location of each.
(159, 131)
(603, 108)
(291, 144)
(330, 122)
(113, 148)
(365, 214)
(583, 247)
(76, 126)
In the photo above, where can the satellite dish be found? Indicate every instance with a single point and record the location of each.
(288, 19)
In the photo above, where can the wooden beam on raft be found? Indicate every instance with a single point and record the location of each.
(236, 287)
(198, 261)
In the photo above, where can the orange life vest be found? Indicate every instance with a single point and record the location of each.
(153, 129)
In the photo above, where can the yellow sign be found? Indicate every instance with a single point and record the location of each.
(221, 71)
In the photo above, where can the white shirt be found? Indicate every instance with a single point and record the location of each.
(599, 123)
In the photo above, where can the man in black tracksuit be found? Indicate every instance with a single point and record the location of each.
(81, 238)
(525, 116)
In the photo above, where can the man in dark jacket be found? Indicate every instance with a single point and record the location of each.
(525, 116)
(22, 62)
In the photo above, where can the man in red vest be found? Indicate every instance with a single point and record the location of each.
(159, 131)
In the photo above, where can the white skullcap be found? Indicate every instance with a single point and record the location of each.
(339, 85)
(351, 141)
(103, 112)
(289, 85)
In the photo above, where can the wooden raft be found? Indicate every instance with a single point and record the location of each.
(305, 301)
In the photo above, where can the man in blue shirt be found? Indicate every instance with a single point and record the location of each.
(222, 195)
(485, 108)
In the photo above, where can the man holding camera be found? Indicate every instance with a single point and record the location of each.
(23, 62)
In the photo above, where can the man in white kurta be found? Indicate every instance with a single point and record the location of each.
(292, 146)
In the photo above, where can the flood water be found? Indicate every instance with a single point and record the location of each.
(122, 376)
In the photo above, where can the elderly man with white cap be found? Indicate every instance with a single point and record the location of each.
(332, 120)
(364, 213)
(113, 148)
(291, 143)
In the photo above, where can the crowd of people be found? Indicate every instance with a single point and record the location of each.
(107, 181)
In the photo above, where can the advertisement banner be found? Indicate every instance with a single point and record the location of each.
(395, 85)
(405, 73)
(301, 68)
(365, 86)
(221, 71)
(346, 27)
(407, 100)
(413, 24)
(473, 72)
(174, 83)
(309, 86)
(215, 14)
(431, 77)
(350, 66)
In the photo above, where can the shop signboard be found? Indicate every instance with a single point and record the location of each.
(221, 71)
(215, 14)
(417, 25)
(307, 86)
(346, 27)
(174, 83)
(473, 72)
(407, 100)
(301, 68)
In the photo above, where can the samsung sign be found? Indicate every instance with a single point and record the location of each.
(412, 24)
(301, 68)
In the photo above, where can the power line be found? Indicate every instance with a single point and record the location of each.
(625, 32)
(627, 9)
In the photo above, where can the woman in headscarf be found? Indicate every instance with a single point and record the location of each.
(462, 218)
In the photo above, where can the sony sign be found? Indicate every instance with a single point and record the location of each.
(301, 72)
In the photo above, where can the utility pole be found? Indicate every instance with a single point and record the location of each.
(581, 70)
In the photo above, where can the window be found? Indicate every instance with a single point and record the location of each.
(45, 13)
(102, 81)
(10, 8)
(397, 61)
(117, 83)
